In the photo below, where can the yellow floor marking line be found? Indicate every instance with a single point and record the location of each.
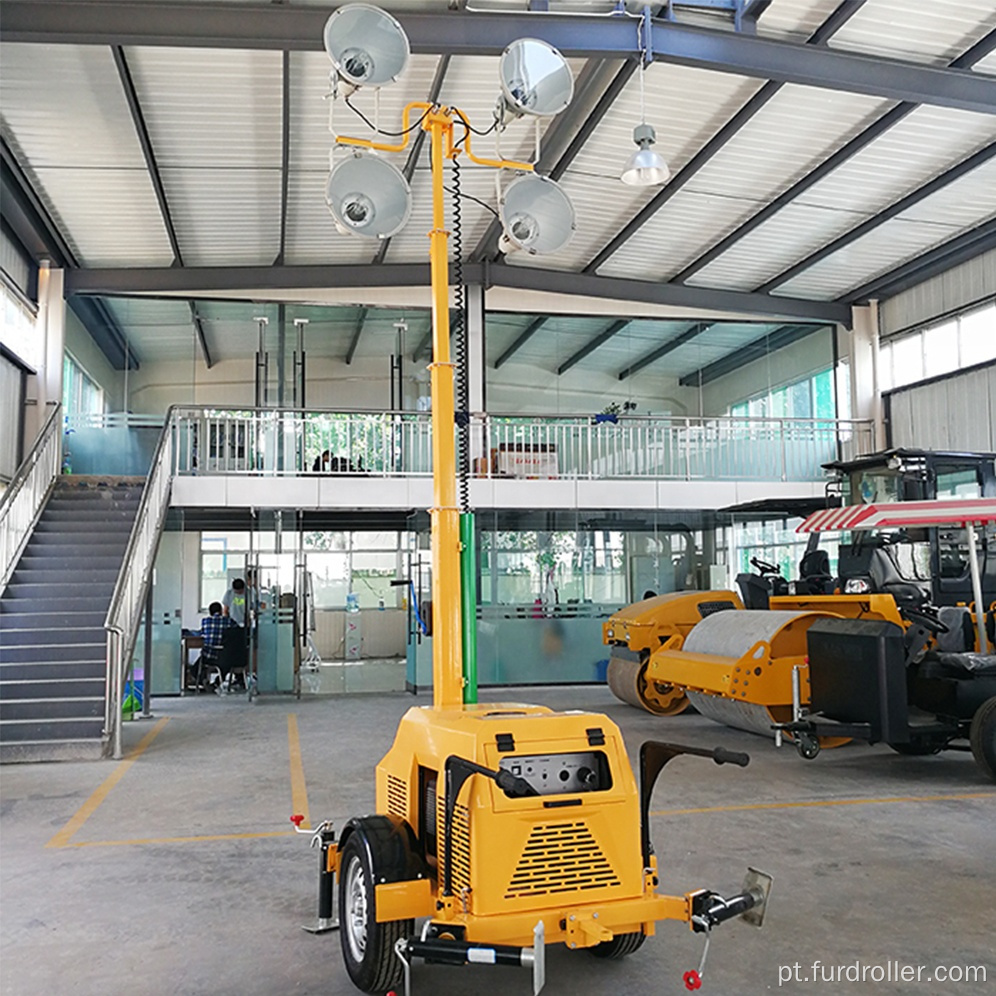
(299, 790)
(62, 838)
(181, 840)
(824, 802)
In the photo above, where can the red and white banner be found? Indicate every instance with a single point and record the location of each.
(897, 515)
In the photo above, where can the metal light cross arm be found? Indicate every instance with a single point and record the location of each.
(439, 122)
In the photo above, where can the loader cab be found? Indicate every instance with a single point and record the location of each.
(936, 561)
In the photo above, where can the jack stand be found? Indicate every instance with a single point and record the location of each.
(323, 838)
(449, 952)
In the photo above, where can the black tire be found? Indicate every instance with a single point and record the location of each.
(367, 946)
(807, 745)
(620, 946)
(982, 737)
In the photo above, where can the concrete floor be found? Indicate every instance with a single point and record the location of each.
(184, 879)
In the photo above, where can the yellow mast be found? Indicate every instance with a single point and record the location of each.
(447, 673)
(447, 669)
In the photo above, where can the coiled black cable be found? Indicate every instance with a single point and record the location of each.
(460, 349)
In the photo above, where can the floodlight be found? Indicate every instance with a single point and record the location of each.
(536, 215)
(368, 196)
(367, 46)
(535, 79)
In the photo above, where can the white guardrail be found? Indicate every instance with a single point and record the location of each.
(390, 444)
(25, 496)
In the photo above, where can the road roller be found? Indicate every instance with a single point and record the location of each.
(498, 828)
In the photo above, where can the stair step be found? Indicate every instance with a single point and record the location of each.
(49, 709)
(87, 749)
(69, 558)
(21, 600)
(49, 636)
(26, 619)
(51, 653)
(98, 525)
(111, 516)
(52, 688)
(112, 542)
(51, 670)
(29, 591)
(66, 728)
(80, 575)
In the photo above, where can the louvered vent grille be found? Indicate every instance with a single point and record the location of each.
(560, 857)
(397, 796)
(461, 849)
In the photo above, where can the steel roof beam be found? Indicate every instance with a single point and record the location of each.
(104, 330)
(138, 120)
(28, 216)
(600, 340)
(357, 332)
(279, 27)
(958, 250)
(705, 299)
(531, 329)
(257, 280)
(201, 336)
(416, 150)
(598, 85)
(778, 339)
(978, 51)
(694, 330)
(903, 204)
(731, 129)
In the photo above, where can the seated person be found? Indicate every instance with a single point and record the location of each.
(213, 628)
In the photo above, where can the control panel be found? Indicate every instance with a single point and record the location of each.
(560, 774)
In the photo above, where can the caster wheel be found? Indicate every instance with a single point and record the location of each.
(807, 745)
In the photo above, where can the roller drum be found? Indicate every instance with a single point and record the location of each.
(732, 634)
(747, 716)
(624, 681)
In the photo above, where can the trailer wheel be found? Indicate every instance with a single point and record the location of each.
(367, 946)
(982, 737)
(620, 946)
(806, 744)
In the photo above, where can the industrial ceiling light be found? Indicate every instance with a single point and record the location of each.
(368, 196)
(367, 46)
(535, 80)
(536, 215)
(644, 168)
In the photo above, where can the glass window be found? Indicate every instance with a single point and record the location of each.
(977, 332)
(907, 360)
(940, 348)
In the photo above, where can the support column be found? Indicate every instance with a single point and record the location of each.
(51, 325)
(476, 370)
(866, 396)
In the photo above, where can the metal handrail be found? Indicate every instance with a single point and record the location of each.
(127, 602)
(25, 496)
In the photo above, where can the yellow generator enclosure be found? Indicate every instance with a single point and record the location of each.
(570, 854)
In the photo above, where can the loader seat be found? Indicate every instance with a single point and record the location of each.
(754, 590)
(814, 573)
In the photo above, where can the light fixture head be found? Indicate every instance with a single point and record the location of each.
(367, 46)
(368, 196)
(536, 215)
(645, 168)
(535, 79)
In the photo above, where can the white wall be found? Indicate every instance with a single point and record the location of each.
(525, 388)
(92, 359)
(785, 366)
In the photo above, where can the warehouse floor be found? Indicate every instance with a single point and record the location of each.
(174, 871)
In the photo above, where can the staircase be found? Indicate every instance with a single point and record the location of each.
(52, 638)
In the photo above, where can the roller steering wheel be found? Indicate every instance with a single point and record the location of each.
(932, 622)
(764, 567)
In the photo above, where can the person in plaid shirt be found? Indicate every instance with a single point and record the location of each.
(213, 628)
